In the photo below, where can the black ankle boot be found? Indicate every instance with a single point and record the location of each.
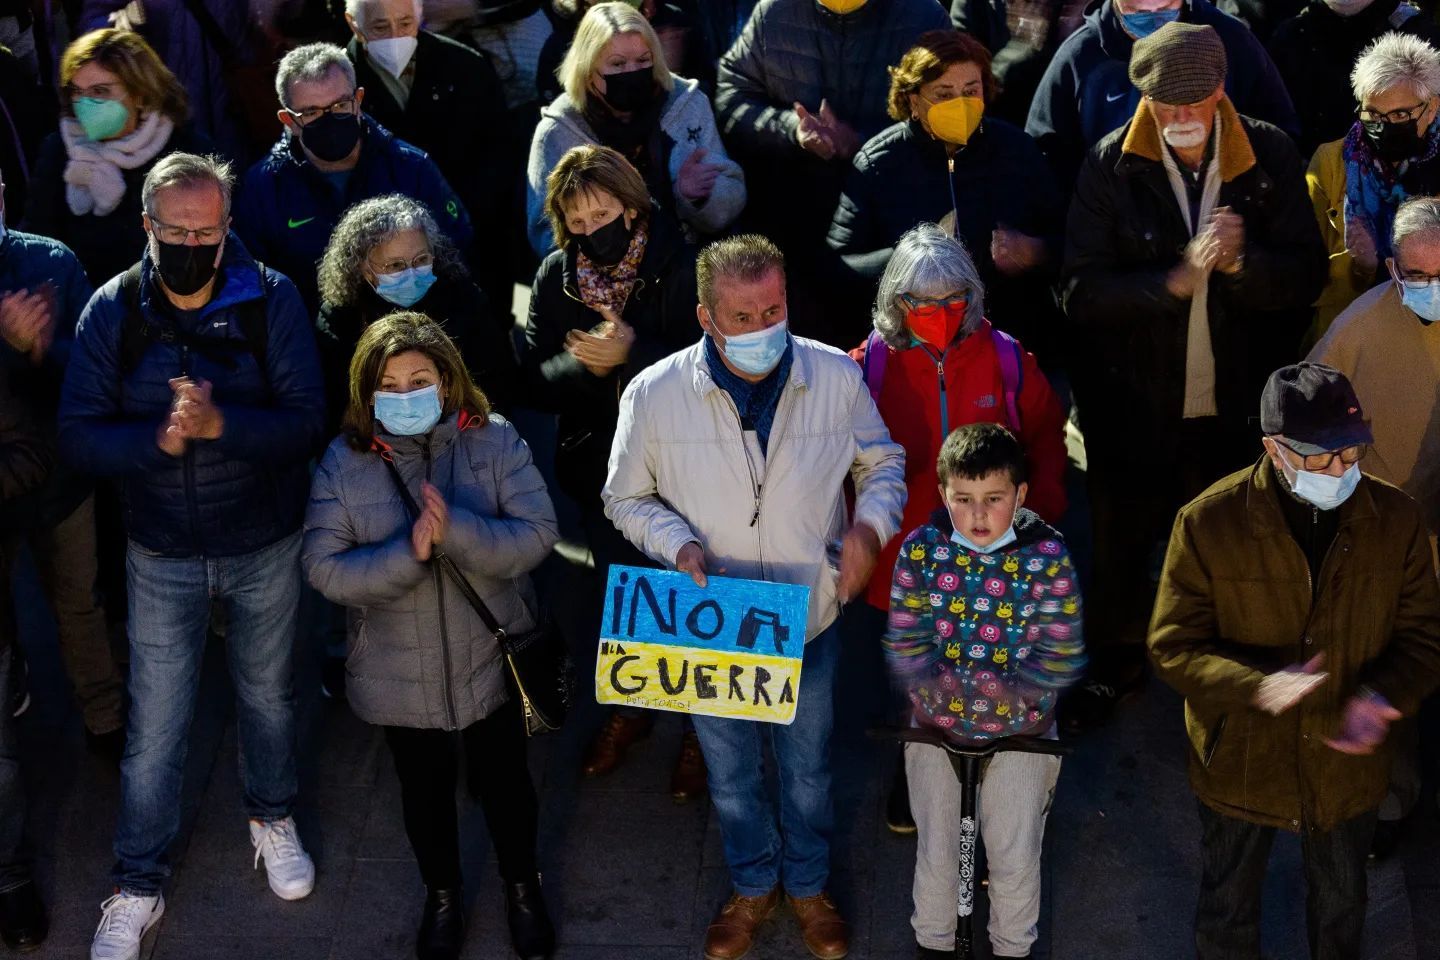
(442, 926)
(530, 931)
(23, 923)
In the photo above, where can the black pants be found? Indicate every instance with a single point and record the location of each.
(426, 762)
(1233, 856)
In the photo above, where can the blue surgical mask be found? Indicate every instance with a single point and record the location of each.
(759, 352)
(1323, 491)
(994, 546)
(408, 414)
(1423, 298)
(406, 287)
(1145, 22)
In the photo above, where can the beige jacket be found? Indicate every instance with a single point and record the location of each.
(682, 470)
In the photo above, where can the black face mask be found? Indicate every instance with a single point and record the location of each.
(185, 269)
(332, 137)
(629, 92)
(607, 245)
(1394, 142)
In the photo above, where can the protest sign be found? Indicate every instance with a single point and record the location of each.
(730, 649)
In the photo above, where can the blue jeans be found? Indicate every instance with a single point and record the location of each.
(798, 853)
(170, 602)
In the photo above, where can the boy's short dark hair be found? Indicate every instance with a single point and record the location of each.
(977, 450)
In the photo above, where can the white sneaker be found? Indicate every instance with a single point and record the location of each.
(124, 921)
(289, 868)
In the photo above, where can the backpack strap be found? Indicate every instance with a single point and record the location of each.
(133, 337)
(1012, 373)
(877, 354)
(254, 319)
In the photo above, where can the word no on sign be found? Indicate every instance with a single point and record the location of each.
(732, 649)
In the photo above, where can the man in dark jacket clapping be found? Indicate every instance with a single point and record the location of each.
(1192, 258)
(194, 379)
(1298, 614)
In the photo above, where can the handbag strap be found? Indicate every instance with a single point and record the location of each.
(447, 565)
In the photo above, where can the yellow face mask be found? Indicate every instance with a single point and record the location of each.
(955, 121)
(843, 7)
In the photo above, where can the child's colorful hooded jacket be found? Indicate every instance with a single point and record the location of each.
(983, 642)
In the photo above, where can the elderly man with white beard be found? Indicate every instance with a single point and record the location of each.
(1192, 259)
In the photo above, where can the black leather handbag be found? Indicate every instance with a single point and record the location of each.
(538, 670)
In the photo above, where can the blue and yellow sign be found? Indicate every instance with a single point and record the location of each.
(732, 649)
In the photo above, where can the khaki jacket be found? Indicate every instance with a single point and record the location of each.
(1234, 605)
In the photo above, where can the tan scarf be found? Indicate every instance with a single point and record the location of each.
(1199, 355)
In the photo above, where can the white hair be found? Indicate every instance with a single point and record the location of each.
(307, 64)
(927, 263)
(353, 8)
(1418, 216)
(1395, 59)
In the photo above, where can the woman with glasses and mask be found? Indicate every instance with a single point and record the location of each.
(1358, 183)
(946, 160)
(388, 254)
(122, 110)
(620, 94)
(933, 362)
(421, 663)
(616, 296)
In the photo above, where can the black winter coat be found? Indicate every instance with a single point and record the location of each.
(455, 303)
(1126, 232)
(456, 113)
(661, 308)
(902, 177)
(1315, 50)
(106, 245)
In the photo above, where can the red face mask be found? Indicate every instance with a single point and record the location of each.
(937, 322)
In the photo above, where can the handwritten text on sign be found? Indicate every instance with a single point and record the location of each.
(732, 649)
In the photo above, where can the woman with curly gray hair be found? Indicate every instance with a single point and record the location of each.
(388, 254)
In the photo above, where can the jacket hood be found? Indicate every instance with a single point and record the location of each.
(1143, 141)
(1029, 528)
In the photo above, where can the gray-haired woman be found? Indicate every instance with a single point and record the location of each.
(388, 254)
(1389, 155)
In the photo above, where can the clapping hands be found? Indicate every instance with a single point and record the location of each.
(432, 524)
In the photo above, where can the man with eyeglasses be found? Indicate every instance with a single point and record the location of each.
(330, 157)
(194, 380)
(1299, 615)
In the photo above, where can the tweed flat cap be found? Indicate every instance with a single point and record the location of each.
(1179, 63)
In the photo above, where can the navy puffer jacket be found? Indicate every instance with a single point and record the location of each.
(223, 497)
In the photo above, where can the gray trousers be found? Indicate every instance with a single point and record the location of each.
(1015, 794)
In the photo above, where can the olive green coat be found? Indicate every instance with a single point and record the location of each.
(1235, 603)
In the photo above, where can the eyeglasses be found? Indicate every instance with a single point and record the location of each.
(205, 236)
(310, 114)
(1318, 462)
(1373, 121)
(396, 265)
(926, 307)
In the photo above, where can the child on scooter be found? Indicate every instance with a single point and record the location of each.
(984, 632)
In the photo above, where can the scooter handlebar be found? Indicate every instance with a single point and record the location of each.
(936, 738)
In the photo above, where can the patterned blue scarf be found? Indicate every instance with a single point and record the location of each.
(1373, 191)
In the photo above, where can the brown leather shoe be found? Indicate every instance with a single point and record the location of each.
(687, 780)
(607, 750)
(827, 936)
(732, 931)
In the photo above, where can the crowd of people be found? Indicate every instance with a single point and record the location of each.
(822, 292)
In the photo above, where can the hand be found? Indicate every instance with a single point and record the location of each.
(842, 136)
(27, 321)
(691, 560)
(169, 438)
(1367, 720)
(1229, 230)
(1014, 252)
(1280, 691)
(857, 560)
(696, 178)
(603, 352)
(434, 504)
(194, 411)
(1201, 255)
(811, 134)
(1364, 261)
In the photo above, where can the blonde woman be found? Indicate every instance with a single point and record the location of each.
(620, 94)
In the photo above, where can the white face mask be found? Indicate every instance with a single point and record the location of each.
(392, 54)
(1184, 136)
(1347, 8)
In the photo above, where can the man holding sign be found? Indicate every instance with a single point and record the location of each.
(730, 458)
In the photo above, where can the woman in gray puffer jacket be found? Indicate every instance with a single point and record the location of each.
(421, 663)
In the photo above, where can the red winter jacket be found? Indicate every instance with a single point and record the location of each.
(974, 393)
